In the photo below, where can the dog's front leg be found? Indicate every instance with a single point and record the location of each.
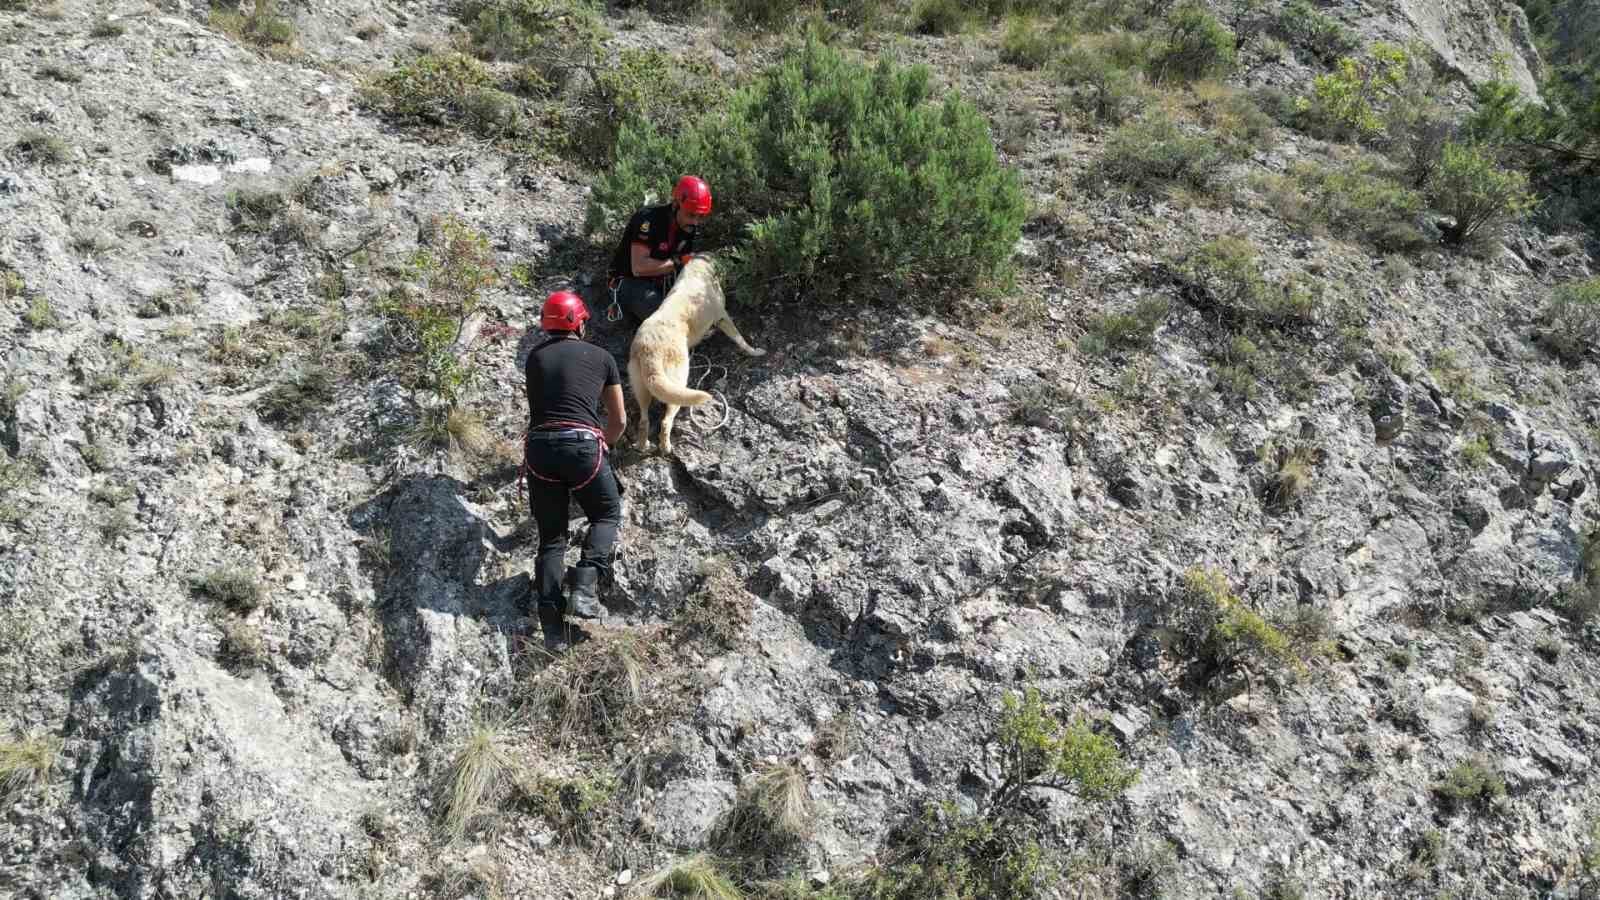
(726, 326)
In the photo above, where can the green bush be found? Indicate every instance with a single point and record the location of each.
(43, 149)
(1219, 628)
(1303, 25)
(1130, 330)
(1349, 102)
(452, 270)
(944, 854)
(1557, 140)
(433, 88)
(1359, 200)
(1470, 782)
(836, 177)
(1228, 269)
(940, 16)
(515, 30)
(1196, 46)
(1572, 319)
(1036, 750)
(262, 27)
(1101, 89)
(1477, 193)
(764, 15)
(1030, 43)
(1154, 152)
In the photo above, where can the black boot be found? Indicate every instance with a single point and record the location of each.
(583, 597)
(554, 626)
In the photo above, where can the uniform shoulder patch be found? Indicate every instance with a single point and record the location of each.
(644, 227)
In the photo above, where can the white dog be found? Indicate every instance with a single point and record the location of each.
(658, 361)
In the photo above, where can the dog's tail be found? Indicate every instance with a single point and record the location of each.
(667, 392)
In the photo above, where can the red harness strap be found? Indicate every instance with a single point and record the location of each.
(599, 457)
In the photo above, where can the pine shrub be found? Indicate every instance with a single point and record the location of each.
(1476, 192)
(833, 177)
(1304, 26)
(1154, 152)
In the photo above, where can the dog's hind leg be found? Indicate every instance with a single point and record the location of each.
(666, 428)
(641, 396)
(726, 326)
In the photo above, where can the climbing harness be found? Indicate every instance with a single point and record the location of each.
(527, 469)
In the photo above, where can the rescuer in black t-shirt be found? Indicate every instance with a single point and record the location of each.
(565, 457)
(654, 246)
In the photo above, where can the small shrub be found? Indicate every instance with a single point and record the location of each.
(476, 782)
(1478, 194)
(115, 525)
(27, 763)
(1481, 717)
(453, 268)
(593, 691)
(939, 16)
(253, 209)
(1219, 628)
(106, 28)
(1102, 89)
(764, 15)
(1154, 153)
(1196, 46)
(718, 609)
(1037, 750)
(1475, 453)
(942, 853)
(1572, 319)
(1349, 102)
(1303, 25)
(697, 876)
(1549, 647)
(1358, 200)
(432, 89)
(573, 806)
(1470, 782)
(1133, 330)
(39, 316)
(42, 149)
(57, 72)
(262, 27)
(1234, 117)
(241, 648)
(771, 813)
(1030, 43)
(234, 586)
(307, 391)
(1230, 272)
(1292, 474)
(1044, 404)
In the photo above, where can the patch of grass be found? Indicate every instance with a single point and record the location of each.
(1481, 717)
(574, 806)
(58, 72)
(106, 28)
(1455, 377)
(1475, 453)
(942, 853)
(1229, 270)
(1105, 87)
(1550, 647)
(233, 586)
(1154, 153)
(593, 691)
(253, 209)
(307, 391)
(91, 243)
(42, 148)
(39, 316)
(1303, 25)
(27, 763)
(1402, 658)
(1572, 319)
(1293, 470)
(1194, 46)
(940, 16)
(771, 813)
(1030, 42)
(241, 648)
(176, 302)
(1132, 330)
(1471, 782)
(476, 782)
(1357, 200)
(697, 876)
(263, 27)
(717, 611)
(116, 524)
(1218, 627)
(431, 89)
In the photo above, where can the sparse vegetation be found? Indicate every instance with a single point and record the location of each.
(1154, 153)
(771, 813)
(476, 782)
(1475, 452)
(1349, 102)
(1471, 782)
(1195, 46)
(241, 648)
(697, 876)
(1229, 271)
(1572, 319)
(1038, 751)
(591, 692)
(27, 762)
(1217, 626)
(1292, 470)
(1132, 330)
(306, 391)
(1303, 25)
(718, 609)
(58, 72)
(263, 27)
(572, 805)
(106, 28)
(233, 586)
(41, 148)
(39, 315)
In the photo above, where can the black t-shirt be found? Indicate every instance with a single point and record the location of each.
(657, 228)
(565, 377)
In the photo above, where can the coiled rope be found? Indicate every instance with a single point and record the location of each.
(705, 372)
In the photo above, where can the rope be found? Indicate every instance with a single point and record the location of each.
(689, 412)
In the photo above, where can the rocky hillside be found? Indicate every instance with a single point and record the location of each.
(261, 595)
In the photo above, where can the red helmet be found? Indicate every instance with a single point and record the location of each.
(563, 311)
(693, 194)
